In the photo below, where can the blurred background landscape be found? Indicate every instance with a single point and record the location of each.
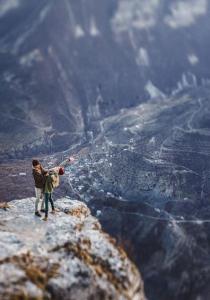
(124, 85)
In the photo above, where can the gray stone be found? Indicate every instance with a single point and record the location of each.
(66, 257)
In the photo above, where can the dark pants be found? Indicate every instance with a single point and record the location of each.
(48, 197)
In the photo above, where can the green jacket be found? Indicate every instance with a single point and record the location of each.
(48, 188)
(51, 179)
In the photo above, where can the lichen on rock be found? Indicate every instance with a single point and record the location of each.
(69, 257)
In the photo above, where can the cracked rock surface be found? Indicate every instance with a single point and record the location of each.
(67, 257)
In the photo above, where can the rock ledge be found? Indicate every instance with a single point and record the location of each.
(68, 257)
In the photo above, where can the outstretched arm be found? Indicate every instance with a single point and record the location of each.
(63, 164)
(67, 161)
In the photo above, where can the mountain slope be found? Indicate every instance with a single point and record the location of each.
(64, 65)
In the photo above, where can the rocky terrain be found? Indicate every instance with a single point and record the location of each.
(68, 257)
(65, 65)
(146, 178)
(124, 86)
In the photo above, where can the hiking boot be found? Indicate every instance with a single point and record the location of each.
(45, 219)
(38, 214)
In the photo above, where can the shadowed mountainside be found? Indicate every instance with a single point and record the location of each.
(65, 65)
(146, 177)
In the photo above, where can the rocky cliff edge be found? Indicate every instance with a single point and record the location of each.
(67, 257)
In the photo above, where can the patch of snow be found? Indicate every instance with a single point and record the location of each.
(193, 59)
(135, 14)
(152, 141)
(185, 13)
(153, 91)
(188, 79)
(31, 57)
(22, 174)
(78, 32)
(94, 31)
(142, 58)
(7, 5)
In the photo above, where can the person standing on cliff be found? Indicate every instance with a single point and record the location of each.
(45, 182)
(52, 181)
(39, 174)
